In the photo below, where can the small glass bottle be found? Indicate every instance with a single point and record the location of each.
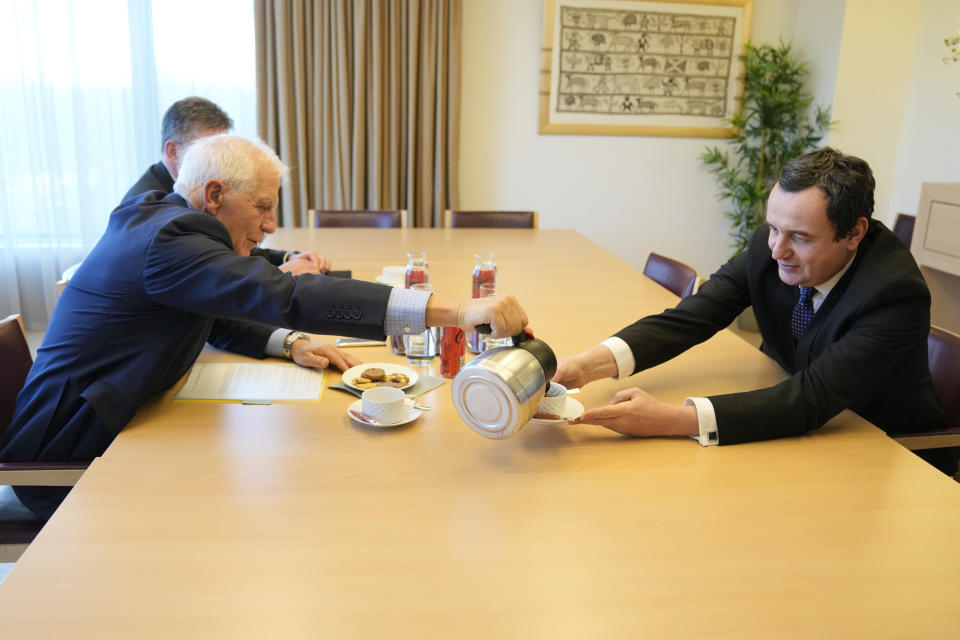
(452, 348)
(485, 271)
(418, 270)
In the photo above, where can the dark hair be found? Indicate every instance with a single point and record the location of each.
(185, 116)
(846, 181)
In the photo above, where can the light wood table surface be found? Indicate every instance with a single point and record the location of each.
(218, 520)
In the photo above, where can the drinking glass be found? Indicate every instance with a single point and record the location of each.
(421, 348)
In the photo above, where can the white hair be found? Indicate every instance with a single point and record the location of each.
(232, 159)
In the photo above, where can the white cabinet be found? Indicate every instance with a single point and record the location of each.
(936, 235)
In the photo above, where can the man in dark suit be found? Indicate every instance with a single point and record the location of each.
(171, 273)
(840, 304)
(184, 122)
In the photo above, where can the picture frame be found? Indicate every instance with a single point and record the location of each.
(642, 67)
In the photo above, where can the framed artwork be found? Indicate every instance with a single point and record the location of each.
(642, 67)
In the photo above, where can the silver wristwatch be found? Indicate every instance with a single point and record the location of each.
(287, 349)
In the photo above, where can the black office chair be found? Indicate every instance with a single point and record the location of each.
(455, 219)
(18, 526)
(387, 219)
(674, 275)
(903, 227)
(943, 349)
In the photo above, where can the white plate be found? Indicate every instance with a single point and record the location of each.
(354, 372)
(358, 407)
(572, 410)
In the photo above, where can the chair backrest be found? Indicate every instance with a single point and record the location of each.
(676, 276)
(16, 359)
(389, 219)
(489, 219)
(903, 227)
(943, 349)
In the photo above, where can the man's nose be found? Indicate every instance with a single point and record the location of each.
(269, 224)
(779, 247)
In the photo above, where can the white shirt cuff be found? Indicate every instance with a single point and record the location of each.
(706, 420)
(275, 343)
(406, 312)
(623, 355)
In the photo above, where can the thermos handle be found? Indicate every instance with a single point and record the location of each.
(521, 337)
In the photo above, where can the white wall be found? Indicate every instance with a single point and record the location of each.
(629, 194)
(873, 80)
(929, 143)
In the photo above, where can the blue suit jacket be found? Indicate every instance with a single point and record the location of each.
(865, 350)
(162, 280)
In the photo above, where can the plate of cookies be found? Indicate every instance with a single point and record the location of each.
(380, 374)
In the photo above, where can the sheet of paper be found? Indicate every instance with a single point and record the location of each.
(246, 381)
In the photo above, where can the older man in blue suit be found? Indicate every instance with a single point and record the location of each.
(171, 273)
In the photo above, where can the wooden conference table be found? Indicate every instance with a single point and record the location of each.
(208, 520)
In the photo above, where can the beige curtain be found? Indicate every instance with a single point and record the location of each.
(361, 99)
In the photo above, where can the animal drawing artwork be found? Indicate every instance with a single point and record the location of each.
(589, 103)
(621, 42)
(600, 61)
(669, 85)
(643, 63)
(698, 85)
(576, 83)
(649, 63)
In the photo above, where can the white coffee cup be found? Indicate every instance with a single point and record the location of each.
(554, 399)
(385, 404)
(393, 276)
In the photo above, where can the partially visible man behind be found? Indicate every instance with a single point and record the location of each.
(841, 306)
(185, 122)
(171, 273)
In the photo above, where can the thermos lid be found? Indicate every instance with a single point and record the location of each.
(486, 402)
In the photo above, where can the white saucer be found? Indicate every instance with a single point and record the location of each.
(358, 407)
(572, 410)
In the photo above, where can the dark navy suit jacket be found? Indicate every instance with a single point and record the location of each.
(157, 178)
(865, 350)
(161, 281)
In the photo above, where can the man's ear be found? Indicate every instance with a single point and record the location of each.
(857, 232)
(211, 195)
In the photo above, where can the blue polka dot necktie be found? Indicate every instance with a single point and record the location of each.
(802, 312)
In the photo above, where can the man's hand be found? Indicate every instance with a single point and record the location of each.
(634, 412)
(306, 262)
(594, 363)
(318, 355)
(502, 313)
